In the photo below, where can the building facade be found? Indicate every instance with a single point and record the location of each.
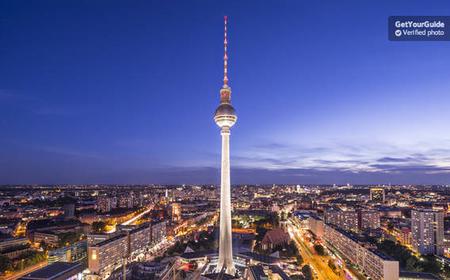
(368, 219)
(368, 260)
(107, 255)
(344, 219)
(377, 195)
(427, 230)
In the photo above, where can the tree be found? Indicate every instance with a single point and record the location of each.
(411, 264)
(44, 246)
(306, 271)
(390, 226)
(5, 263)
(319, 249)
(299, 259)
(332, 265)
(260, 231)
(99, 227)
(68, 237)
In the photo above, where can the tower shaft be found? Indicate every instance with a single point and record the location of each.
(225, 242)
(225, 117)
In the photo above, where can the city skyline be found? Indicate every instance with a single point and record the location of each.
(100, 101)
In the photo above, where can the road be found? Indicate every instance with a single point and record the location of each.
(27, 270)
(137, 217)
(319, 264)
(132, 220)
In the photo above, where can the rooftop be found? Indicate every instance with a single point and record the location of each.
(55, 271)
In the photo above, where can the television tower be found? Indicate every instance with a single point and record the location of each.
(225, 117)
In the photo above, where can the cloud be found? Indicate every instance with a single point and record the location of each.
(426, 169)
(99, 174)
(391, 159)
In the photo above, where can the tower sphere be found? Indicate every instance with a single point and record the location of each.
(225, 115)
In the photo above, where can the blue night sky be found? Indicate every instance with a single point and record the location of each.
(124, 92)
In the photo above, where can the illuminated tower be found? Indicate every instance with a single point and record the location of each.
(225, 118)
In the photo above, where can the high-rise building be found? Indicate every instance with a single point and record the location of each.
(125, 201)
(114, 202)
(316, 226)
(225, 117)
(427, 228)
(139, 238)
(376, 265)
(353, 220)
(377, 195)
(368, 219)
(104, 204)
(344, 219)
(69, 210)
(107, 255)
(176, 212)
(158, 232)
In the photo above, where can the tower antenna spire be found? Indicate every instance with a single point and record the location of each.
(225, 56)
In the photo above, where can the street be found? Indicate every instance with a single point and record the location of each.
(319, 265)
(17, 275)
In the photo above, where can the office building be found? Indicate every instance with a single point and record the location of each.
(139, 238)
(344, 219)
(107, 255)
(377, 195)
(158, 232)
(69, 210)
(104, 204)
(368, 259)
(176, 212)
(368, 219)
(427, 229)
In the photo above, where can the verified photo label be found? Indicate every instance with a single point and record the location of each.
(419, 28)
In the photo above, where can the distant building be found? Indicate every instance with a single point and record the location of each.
(94, 238)
(316, 226)
(403, 235)
(344, 219)
(148, 270)
(390, 212)
(12, 242)
(260, 272)
(159, 232)
(377, 195)
(274, 237)
(69, 210)
(14, 247)
(114, 202)
(104, 204)
(368, 219)
(353, 220)
(125, 201)
(176, 212)
(427, 228)
(47, 237)
(72, 253)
